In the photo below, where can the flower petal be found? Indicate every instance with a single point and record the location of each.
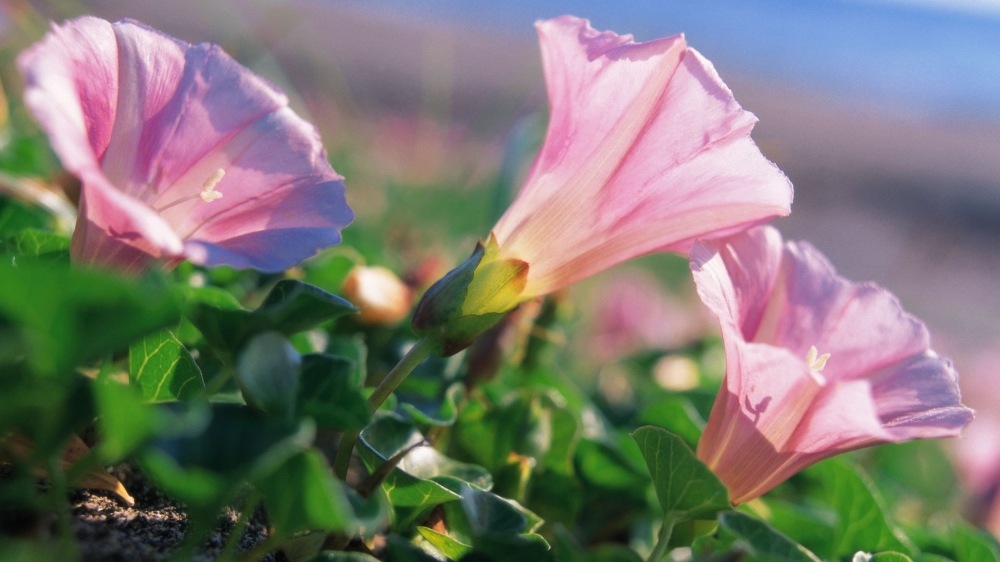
(131, 109)
(862, 326)
(117, 231)
(646, 150)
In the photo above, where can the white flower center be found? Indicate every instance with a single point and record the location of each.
(816, 361)
(208, 193)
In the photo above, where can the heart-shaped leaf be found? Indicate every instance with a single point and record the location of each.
(163, 369)
(686, 488)
(330, 393)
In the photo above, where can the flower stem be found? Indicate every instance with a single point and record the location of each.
(662, 542)
(414, 357)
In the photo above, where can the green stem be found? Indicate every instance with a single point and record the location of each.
(57, 496)
(414, 357)
(662, 542)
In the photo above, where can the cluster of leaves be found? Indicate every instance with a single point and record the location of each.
(230, 388)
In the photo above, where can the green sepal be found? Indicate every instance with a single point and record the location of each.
(471, 299)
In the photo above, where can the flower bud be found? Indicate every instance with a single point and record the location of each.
(382, 298)
(471, 299)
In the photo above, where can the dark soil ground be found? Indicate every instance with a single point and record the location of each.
(107, 529)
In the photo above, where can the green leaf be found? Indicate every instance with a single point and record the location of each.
(762, 540)
(443, 414)
(291, 307)
(127, 420)
(677, 414)
(605, 466)
(67, 316)
(268, 373)
(36, 243)
(973, 545)
(862, 522)
(686, 488)
(410, 496)
(303, 495)
(500, 528)
(329, 392)
(811, 526)
(163, 369)
(402, 550)
(238, 444)
(329, 269)
(390, 435)
(448, 546)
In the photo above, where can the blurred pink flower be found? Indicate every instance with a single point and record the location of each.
(815, 365)
(182, 152)
(977, 454)
(633, 312)
(646, 150)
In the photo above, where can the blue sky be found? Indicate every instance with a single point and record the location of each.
(935, 58)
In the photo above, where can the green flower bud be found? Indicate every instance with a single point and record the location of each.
(470, 299)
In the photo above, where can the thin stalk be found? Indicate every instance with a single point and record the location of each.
(662, 542)
(414, 357)
(57, 496)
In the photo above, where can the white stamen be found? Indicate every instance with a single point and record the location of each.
(816, 361)
(208, 193)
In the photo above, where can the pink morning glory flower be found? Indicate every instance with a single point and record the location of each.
(182, 152)
(815, 365)
(646, 151)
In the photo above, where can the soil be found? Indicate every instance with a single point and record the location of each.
(108, 530)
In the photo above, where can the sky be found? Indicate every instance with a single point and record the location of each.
(927, 58)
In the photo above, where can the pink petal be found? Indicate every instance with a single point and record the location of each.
(861, 325)
(646, 150)
(746, 440)
(118, 231)
(132, 110)
(881, 384)
(919, 398)
(70, 76)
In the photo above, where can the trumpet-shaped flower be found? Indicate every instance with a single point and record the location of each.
(815, 365)
(646, 151)
(181, 151)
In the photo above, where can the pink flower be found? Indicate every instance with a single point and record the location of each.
(646, 150)
(634, 312)
(977, 454)
(815, 365)
(182, 152)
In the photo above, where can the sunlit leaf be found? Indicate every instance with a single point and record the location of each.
(448, 546)
(862, 522)
(686, 488)
(163, 369)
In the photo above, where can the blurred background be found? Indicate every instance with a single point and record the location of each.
(884, 114)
